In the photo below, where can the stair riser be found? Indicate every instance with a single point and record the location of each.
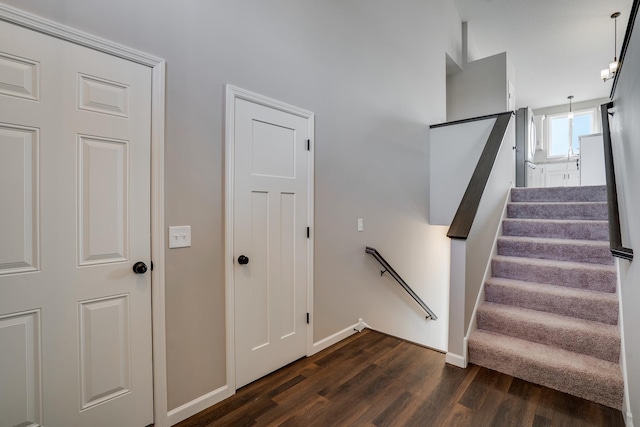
(589, 342)
(558, 252)
(596, 211)
(560, 194)
(574, 231)
(586, 385)
(596, 310)
(575, 277)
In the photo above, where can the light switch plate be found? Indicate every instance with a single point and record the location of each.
(360, 224)
(180, 236)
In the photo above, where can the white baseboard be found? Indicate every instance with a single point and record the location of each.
(201, 403)
(628, 418)
(455, 360)
(338, 336)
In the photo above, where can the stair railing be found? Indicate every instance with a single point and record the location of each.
(466, 213)
(615, 236)
(388, 269)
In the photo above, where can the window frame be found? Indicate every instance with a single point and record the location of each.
(549, 134)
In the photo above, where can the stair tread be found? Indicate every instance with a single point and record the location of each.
(577, 211)
(592, 192)
(556, 241)
(557, 220)
(556, 203)
(553, 248)
(549, 319)
(574, 302)
(555, 263)
(560, 369)
(584, 229)
(590, 337)
(537, 353)
(560, 291)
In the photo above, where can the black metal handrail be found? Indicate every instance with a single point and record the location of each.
(388, 269)
(466, 213)
(615, 236)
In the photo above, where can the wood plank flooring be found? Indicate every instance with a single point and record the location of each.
(372, 379)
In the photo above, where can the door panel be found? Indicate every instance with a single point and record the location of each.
(270, 221)
(103, 196)
(105, 357)
(19, 194)
(20, 365)
(74, 168)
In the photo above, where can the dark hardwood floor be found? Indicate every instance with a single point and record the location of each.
(372, 379)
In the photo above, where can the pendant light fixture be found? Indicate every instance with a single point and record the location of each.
(570, 115)
(609, 73)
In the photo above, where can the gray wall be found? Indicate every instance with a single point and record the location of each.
(479, 89)
(373, 71)
(625, 130)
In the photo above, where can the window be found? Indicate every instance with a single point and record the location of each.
(565, 132)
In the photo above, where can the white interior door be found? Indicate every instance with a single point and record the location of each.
(75, 320)
(271, 216)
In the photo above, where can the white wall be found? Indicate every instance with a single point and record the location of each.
(454, 31)
(373, 72)
(470, 257)
(453, 155)
(480, 89)
(625, 129)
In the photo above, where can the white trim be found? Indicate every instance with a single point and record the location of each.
(311, 239)
(361, 325)
(229, 136)
(158, 66)
(473, 325)
(626, 402)
(233, 93)
(456, 360)
(628, 418)
(158, 296)
(61, 31)
(338, 336)
(201, 403)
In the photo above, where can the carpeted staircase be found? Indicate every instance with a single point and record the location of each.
(550, 314)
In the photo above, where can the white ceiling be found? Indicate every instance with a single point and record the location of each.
(557, 47)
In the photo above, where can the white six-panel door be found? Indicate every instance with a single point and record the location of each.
(271, 215)
(75, 320)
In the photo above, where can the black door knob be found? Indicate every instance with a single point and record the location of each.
(243, 260)
(139, 267)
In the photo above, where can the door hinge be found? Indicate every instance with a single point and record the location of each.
(308, 232)
(151, 265)
(307, 318)
(308, 145)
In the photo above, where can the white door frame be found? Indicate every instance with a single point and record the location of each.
(158, 66)
(233, 93)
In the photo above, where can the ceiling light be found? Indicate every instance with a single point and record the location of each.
(570, 115)
(609, 73)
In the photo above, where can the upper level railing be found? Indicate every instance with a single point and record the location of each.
(466, 213)
(388, 269)
(615, 236)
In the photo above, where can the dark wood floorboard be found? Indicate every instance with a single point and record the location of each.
(374, 380)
